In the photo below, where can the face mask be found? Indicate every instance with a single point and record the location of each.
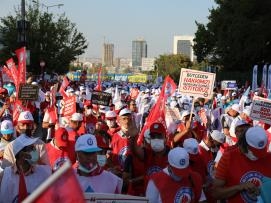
(251, 156)
(91, 168)
(34, 157)
(157, 145)
(88, 112)
(27, 132)
(101, 160)
(110, 123)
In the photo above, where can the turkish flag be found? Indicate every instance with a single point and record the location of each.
(99, 85)
(64, 85)
(62, 186)
(21, 55)
(158, 112)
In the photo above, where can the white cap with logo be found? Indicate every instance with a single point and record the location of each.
(87, 143)
(256, 137)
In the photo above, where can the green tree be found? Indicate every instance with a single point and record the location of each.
(237, 35)
(172, 65)
(53, 39)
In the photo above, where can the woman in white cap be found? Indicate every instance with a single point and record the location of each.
(24, 176)
(177, 182)
(240, 171)
(90, 175)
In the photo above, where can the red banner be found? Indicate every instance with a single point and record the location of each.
(69, 106)
(13, 70)
(7, 72)
(21, 55)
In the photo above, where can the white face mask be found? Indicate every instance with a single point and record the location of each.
(110, 123)
(251, 156)
(101, 159)
(157, 145)
(124, 130)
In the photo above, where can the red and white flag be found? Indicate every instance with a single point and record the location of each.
(64, 85)
(62, 186)
(21, 55)
(158, 111)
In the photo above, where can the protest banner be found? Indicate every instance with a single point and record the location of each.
(113, 198)
(101, 98)
(28, 92)
(141, 78)
(173, 117)
(261, 109)
(69, 106)
(228, 85)
(196, 83)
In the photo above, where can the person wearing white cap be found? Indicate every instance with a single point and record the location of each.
(7, 131)
(25, 128)
(240, 171)
(121, 152)
(74, 125)
(90, 175)
(25, 175)
(177, 182)
(227, 118)
(111, 122)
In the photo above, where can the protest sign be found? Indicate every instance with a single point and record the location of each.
(261, 109)
(113, 198)
(69, 106)
(196, 83)
(28, 92)
(228, 85)
(101, 98)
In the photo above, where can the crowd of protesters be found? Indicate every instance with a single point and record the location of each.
(214, 152)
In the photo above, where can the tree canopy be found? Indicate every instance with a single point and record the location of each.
(55, 40)
(237, 36)
(172, 65)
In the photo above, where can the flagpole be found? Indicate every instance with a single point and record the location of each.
(66, 166)
(192, 108)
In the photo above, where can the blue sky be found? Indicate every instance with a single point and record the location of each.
(121, 21)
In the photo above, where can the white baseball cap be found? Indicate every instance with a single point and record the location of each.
(124, 112)
(110, 114)
(256, 137)
(233, 94)
(7, 127)
(178, 159)
(77, 117)
(25, 117)
(87, 143)
(191, 145)
(218, 136)
(119, 105)
(21, 142)
(236, 107)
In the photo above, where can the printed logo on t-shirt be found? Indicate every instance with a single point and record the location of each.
(254, 177)
(122, 155)
(59, 162)
(184, 195)
(153, 169)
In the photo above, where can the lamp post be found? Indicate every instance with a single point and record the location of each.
(47, 7)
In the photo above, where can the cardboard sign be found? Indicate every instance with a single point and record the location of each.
(196, 83)
(101, 98)
(28, 92)
(261, 109)
(228, 85)
(113, 198)
(69, 106)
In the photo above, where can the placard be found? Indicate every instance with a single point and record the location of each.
(113, 198)
(228, 85)
(101, 98)
(196, 83)
(261, 109)
(28, 92)
(69, 106)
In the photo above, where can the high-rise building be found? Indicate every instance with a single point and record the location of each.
(139, 51)
(108, 55)
(184, 45)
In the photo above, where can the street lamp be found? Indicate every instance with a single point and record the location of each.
(47, 7)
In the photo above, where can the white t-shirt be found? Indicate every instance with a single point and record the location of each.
(10, 182)
(106, 182)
